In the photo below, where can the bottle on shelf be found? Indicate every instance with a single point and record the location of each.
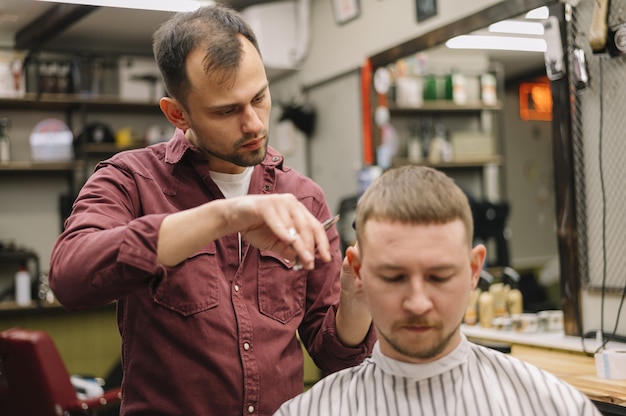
(23, 286)
(459, 88)
(5, 142)
(427, 135)
(414, 144)
(486, 311)
(514, 302)
(488, 88)
(440, 148)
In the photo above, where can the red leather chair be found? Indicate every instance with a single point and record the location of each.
(35, 382)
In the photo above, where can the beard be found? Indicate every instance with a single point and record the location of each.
(422, 351)
(240, 157)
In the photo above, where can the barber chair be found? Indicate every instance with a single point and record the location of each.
(35, 382)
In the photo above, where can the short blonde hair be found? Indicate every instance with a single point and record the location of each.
(414, 195)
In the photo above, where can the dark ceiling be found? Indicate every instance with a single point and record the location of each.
(60, 18)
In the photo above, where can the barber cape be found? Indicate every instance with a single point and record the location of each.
(472, 380)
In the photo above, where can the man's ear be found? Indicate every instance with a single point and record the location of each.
(174, 112)
(477, 260)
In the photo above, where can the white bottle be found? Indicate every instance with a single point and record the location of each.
(459, 89)
(488, 86)
(22, 287)
(5, 149)
(434, 152)
(5, 143)
(414, 146)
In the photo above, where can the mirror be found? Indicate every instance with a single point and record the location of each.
(534, 164)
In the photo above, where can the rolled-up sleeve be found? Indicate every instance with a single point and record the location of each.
(108, 247)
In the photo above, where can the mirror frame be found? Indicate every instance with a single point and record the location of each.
(562, 146)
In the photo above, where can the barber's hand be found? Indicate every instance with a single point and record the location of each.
(282, 224)
(349, 288)
(353, 317)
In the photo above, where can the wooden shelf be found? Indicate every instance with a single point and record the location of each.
(108, 148)
(445, 106)
(65, 102)
(17, 255)
(493, 160)
(41, 167)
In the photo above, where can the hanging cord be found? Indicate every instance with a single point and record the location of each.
(603, 193)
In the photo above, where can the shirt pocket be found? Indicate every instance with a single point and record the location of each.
(192, 286)
(282, 290)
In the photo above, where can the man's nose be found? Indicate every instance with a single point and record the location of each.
(417, 299)
(251, 122)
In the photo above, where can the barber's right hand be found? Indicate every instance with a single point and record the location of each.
(280, 223)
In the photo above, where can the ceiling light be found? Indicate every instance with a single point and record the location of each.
(538, 13)
(517, 27)
(504, 43)
(158, 5)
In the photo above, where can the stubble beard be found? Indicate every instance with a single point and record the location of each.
(240, 158)
(420, 352)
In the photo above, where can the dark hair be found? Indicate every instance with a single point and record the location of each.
(214, 28)
(414, 195)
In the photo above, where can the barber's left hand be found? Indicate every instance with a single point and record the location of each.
(349, 286)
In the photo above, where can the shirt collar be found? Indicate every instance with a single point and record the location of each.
(177, 146)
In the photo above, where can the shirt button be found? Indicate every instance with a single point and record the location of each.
(266, 187)
(246, 346)
(275, 159)
(236, 288)
(250, 409)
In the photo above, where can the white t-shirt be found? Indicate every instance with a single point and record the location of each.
(472, 381)
(233, 185)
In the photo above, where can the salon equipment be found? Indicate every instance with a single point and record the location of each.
(490, 227)
(35, 382)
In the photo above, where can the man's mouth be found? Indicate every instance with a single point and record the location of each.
(254, 144)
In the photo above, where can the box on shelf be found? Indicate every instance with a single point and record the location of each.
(140, 79)
(470, 146)
(51, 141)
(12, 78)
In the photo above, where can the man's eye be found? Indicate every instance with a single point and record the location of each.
(440, 279)
(226, 112)
(259, 99)
(392, 279)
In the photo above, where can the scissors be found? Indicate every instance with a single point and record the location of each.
(327, 224)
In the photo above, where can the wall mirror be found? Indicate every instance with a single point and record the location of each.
(536, 170)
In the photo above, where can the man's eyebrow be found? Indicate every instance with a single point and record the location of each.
(235, 104)
(390, 267)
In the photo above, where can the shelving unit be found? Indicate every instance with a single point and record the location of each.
(71, 105)
(77, 111)
(473, 129)
(478, 173)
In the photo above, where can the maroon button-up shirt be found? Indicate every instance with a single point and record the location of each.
(211, 336)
